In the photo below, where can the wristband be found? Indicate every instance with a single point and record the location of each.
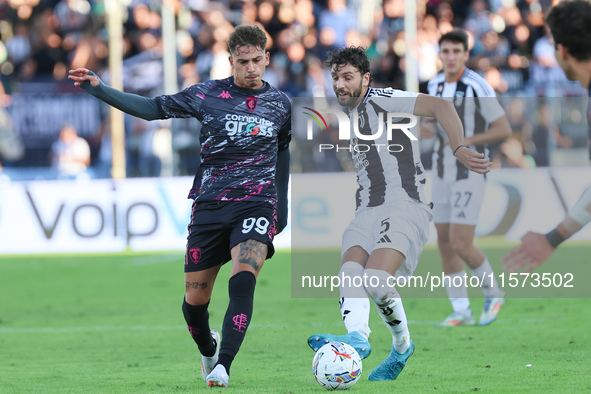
(457, 149)
(555, 238)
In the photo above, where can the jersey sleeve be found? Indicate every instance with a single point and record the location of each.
(284, 134)
(487, 102)
(393, 100)
(184, 104)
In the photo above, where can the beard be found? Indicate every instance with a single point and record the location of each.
(351, 101)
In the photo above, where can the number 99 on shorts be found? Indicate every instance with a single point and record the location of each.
(260, 225)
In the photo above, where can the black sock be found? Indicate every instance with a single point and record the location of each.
(197, 318)
(241, 290)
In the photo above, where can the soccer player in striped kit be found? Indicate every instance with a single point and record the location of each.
(457, 192)
(391, 224)
(239, 191)
(569, 23)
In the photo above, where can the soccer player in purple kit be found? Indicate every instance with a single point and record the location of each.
(239, 191)
(569, 23)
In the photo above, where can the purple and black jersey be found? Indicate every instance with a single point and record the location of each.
(242, 131)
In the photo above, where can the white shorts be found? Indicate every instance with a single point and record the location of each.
(404, 227)
(458, 201)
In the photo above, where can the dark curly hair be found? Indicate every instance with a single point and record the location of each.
(570, 24)
(247, 35)
(354, 56)
(457, 36)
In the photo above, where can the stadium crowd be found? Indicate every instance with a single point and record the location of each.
(40, 40)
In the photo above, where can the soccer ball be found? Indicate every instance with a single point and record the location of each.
(336, 366)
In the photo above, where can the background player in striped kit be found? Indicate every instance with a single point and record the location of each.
(391, 224)
(457, 192)
(240, 189)
(570, 25)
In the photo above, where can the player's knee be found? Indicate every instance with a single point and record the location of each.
(461, 246)
(350, 280)
(195, 297)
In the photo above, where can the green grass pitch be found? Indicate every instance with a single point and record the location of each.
(112, 323)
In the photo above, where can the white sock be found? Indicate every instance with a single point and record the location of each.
(354, 303)
(490, 287)
(458, 295)
(389, 305)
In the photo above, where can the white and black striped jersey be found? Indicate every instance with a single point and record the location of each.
(475, 113)
(388, 171)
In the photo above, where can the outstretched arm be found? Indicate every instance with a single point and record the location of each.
(281, 183)
(142, 107)
(446, 115)
(536, 248)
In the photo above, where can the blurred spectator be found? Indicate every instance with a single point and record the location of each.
(517, 115)
(495, 51)
(546, 125)
(105, 153)
(335, 22)
(393, 18)
(4, 97)
(19, 45)
(11, 146)
(494, 77)
(72, 14)
(478, 20)
(70, 154)
(545, 68)
(509, 47)
(155, 151)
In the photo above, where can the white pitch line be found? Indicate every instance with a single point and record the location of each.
(21, 330)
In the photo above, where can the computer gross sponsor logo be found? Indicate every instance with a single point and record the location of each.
(242, 125)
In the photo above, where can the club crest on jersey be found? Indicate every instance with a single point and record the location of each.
(439, 90)
(251, 103)
(362, 119)
(459, 98)
(195, 255)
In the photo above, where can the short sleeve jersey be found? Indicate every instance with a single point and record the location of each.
(242, 131)
(386, 176)
(475, 114)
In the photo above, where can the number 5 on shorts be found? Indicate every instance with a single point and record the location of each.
(260, 225)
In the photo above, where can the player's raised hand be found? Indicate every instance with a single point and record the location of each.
(473, 160)
(83, 74)
(533, 251)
